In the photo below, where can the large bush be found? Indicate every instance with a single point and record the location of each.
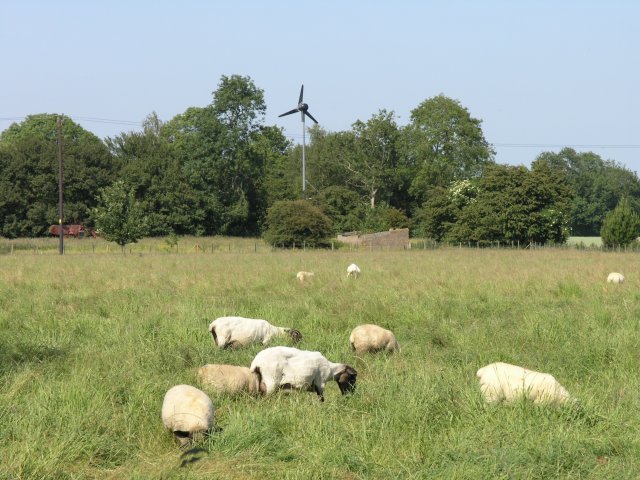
(620, 226)
(296, 222)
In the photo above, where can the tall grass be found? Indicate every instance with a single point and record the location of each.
(89, 345)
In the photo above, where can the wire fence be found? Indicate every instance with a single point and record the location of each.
(221, 245)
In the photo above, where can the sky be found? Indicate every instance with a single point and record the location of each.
(540, 75)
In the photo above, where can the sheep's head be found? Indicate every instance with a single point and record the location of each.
(295, 335)
(346, 379)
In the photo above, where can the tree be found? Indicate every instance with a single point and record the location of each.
(152, 169)
(513, 204)
(372, 166)
(598, 185)
(119, 216)
(296, 222)
(222, 149)
(29, 174)
(620, 226)
(443, 143)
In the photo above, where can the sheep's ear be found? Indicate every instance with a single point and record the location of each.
(295, 335)
(215, 336)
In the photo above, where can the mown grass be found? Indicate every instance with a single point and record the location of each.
(89, 344)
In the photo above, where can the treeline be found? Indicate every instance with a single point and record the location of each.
(217, 169)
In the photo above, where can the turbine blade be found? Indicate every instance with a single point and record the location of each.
(311, 117)
(289, 112)
(301, 91)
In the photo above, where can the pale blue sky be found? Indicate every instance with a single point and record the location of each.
(541, 73)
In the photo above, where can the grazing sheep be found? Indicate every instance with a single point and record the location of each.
(289, 368)
(229, 379)
(504, 382)
(304, 276)
(353, 270)
(615, 277)
(187, 412)
(240, 331)
(372, 338)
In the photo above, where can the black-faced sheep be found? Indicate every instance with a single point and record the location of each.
(239, 331)
(290, 368)
(372, 338)
(229, 379)
(187, 412)
(504, 382)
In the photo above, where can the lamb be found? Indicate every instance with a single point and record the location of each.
(304, 276)
(187, 412)
(289, 368)
(229, 379)
(504, 382)
(353, 270)
(372, 338)
(239, 331)
(615, 277)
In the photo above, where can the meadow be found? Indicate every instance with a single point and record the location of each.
(90, 343)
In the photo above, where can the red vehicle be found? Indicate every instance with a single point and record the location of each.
(77, 231)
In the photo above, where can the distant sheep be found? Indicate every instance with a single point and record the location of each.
(187, 412)
(372, 338)
(504, 382)
(353, 270)
(304, 276)
(615, 277)
(229, 379)
(289, 368)
(239, 331)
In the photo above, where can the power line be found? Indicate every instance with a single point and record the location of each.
(295, 136)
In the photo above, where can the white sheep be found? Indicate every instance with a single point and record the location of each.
(229, 379)
(353, 270)
(304, 276)
(615, 277)
(504, 382)
(187, 412)
(289, 368)
(239, 331)
(372, 338)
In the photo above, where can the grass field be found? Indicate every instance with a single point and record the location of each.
(89, 344)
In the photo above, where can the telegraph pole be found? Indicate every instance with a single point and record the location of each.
(60, 207)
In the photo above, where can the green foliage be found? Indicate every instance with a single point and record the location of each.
(119, 216)
(29, 175)
(620, 226)
(383, 218)
(343, 206)
(598, 186)
(443, 143)
(291, 223)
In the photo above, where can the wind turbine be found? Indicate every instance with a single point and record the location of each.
(303, 108)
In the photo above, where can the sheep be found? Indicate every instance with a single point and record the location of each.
(353, 270)
(289, 368)
(372, 338)
(229, 379)
(187, 412)
(239, 331)
(304, 276)
(615, 277)
(504, 382)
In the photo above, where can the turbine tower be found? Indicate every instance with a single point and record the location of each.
(303, 108)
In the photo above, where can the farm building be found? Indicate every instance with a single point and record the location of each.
(394, 238)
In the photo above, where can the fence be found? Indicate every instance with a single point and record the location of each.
(218, 245)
